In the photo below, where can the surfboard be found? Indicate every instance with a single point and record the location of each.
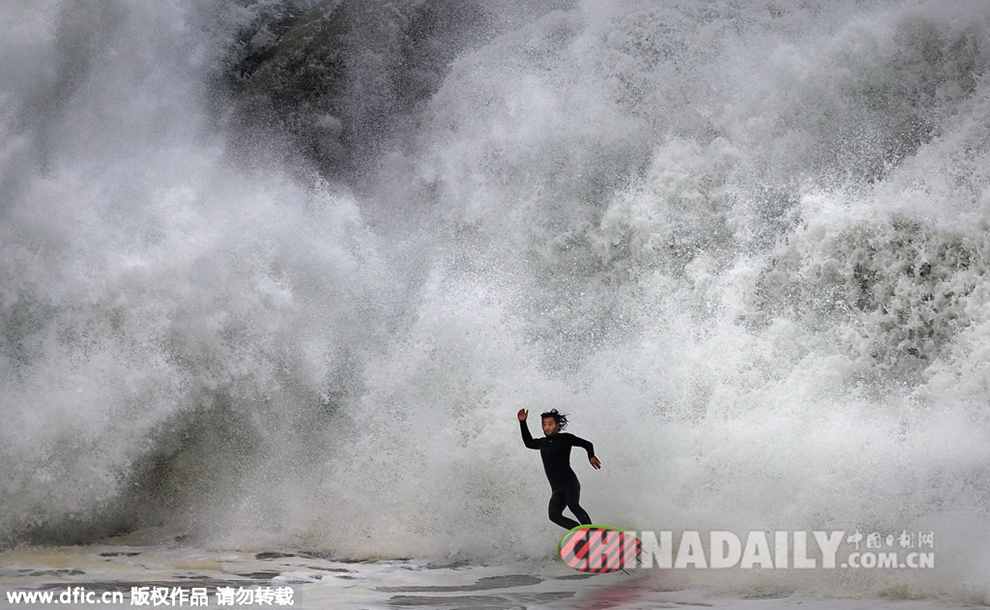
(599, 549)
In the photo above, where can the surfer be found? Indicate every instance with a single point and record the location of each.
(555, 449)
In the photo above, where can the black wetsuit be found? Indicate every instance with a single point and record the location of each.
(556, 453)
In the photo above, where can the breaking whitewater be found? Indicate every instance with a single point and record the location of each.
(275, 277)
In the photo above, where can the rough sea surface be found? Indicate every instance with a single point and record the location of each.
(276, 275)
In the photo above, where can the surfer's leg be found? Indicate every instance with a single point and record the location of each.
(557, 502)
(573, 499)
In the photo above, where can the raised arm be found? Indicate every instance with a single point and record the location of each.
(527, 437)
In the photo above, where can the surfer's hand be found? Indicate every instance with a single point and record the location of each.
(594, 462)
(522, 414)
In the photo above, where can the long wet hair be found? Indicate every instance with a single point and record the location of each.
(560, 418)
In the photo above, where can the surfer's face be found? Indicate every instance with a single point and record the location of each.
(549, 425)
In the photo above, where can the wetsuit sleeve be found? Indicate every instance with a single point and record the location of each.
(527, 437)
(586, 445)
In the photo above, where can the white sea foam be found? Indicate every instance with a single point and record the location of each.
(743, 244)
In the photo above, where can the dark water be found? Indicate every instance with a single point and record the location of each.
(281, 273)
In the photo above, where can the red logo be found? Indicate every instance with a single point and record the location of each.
(598, 549)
